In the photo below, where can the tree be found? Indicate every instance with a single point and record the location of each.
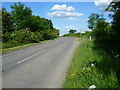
(21, 27)
(7, 21)
(72, 31)
(101, 31)
(102, 34)
(114, 7)
(22, 16)
(93, 19)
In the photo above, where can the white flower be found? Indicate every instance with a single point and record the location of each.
(92, 64)
(117, 55)
(84, 68)
(91, 87)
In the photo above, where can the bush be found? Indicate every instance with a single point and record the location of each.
(102, 34)
(36, 37)
(21, 37)
(73, 35)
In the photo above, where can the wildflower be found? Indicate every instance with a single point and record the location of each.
(73, 75)
(84, 68)
(91, 87)
(92, 64)
(117, 55)
(88, 69)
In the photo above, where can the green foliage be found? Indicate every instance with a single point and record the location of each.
(7, 21)
(50, 34)
(102, 34)
(21, 37)
(106, 37)
(91, 67)
(40, 24)
(88, 33)
(73, 35)
(21, 27)
(115, 7)
(21, 16)
(6, 37)
(93, 19)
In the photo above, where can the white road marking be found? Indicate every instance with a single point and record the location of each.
(30, 57)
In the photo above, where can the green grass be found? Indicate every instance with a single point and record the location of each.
(6, 50)
(81, 73)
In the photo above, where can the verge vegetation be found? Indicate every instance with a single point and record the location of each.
(21, 27)
(7, 50)
(73, 35)
(97, 62)
(77, 35)
(91, 67)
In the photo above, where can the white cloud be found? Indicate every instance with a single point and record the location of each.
(102, 4)
(59, 7)
(70, 9)
(69, 27)
(63, 8)
(64, 11)
(64, 14)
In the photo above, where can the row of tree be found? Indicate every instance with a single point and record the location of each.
(20, 26)
(106, 35)
(74, 33)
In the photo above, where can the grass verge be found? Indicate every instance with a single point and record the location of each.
(7, 50)
(86, 69)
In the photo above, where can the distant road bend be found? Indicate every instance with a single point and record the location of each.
(41, 66)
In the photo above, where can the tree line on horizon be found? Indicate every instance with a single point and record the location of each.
(74, 33)
(21, 27)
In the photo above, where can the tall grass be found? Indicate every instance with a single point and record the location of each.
(90, 67)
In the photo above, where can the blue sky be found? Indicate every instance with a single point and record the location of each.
(64, 15)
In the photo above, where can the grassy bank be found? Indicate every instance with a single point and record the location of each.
(6, 50)
(89, 67)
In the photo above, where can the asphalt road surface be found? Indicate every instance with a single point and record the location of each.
(41, 66)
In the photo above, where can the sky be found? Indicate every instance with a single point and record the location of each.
(66, 15)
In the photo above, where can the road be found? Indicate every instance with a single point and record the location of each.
(41, 66)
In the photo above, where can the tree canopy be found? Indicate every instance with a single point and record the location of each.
(72, 31)
(20, 26)
(93, 19)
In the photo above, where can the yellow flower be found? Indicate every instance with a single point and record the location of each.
(73, 75)
(88, 69)
(82, 70)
